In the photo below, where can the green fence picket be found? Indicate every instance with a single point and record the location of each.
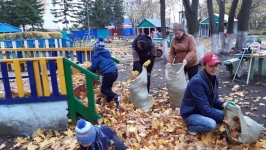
(74, 104)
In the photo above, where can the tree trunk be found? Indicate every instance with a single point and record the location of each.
(164, 37)
(191, 13)
(242, 26)
(240, 40)
(221, 25)
(214, 33)
(23, 27)
(32, 27)
(230, 29)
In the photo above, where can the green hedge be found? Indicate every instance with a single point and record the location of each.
(29, 35)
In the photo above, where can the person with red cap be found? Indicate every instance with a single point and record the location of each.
(201, 108)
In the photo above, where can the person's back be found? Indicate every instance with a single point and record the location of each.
(103, 62)
(102, 59)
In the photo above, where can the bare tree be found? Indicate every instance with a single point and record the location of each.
(257, 15)
(137, 10)
(191, 13)
(163, 28)
(242, 27)
(213, 31)
(226, 46)
(173, 8)
(221, 24)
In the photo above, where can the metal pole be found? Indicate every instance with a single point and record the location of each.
(88, 19)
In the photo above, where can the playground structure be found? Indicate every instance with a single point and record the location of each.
(42, 83)
(159, 43)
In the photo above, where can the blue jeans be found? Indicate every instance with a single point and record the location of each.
(201, 124)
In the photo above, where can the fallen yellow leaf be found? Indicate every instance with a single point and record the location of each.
(39, 132)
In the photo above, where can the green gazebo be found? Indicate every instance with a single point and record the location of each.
(149, 25)
(205, 27)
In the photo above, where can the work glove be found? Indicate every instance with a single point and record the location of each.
(147, 63)
(184, 62)
(167, 65)
(228, 102)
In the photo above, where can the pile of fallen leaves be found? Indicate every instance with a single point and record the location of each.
(235, 129)
(160, 127)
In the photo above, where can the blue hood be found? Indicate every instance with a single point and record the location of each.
(102, 61)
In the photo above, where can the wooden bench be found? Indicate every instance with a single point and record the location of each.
(229, 66)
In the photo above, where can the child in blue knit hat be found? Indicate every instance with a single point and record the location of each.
(103, 62)
(91, 137)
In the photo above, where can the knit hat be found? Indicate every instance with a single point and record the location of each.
(85, 132)
(99, 44)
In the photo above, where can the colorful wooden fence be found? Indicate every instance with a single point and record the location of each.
(31, 43)
(79, 54)
(44, 85)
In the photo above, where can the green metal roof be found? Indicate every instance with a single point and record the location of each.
(216, 18)
(150, 23)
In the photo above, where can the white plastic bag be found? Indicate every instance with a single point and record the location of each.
(250, 129)
(175, 83)
(139, 95)
(201, 51)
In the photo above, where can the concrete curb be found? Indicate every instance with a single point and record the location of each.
(24, 119)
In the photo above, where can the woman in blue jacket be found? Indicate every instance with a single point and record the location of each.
(201, 108)
(92, 137)
(103, 62)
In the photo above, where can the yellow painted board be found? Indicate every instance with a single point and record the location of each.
(10, 61)
(61, 75)
(37, 77)
(45, 80)
(18, 78)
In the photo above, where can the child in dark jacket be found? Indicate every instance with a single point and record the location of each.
(102, 61)
(91, 137)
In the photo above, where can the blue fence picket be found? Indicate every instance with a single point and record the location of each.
(32, 79)
(6, 80)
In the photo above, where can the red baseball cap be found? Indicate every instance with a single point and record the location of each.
(211, 59)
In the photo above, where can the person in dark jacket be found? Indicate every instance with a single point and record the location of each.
(92, 137)
(144, 54)
(103, 62)
(201, 108)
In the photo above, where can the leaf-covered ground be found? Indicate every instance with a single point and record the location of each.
(161, 127)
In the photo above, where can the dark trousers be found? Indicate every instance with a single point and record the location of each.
(191, 71)
(107, 84)
(118, 144)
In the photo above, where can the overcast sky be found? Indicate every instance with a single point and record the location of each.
(48, 18)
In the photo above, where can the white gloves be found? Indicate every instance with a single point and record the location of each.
(167, 65)
(184, 62)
